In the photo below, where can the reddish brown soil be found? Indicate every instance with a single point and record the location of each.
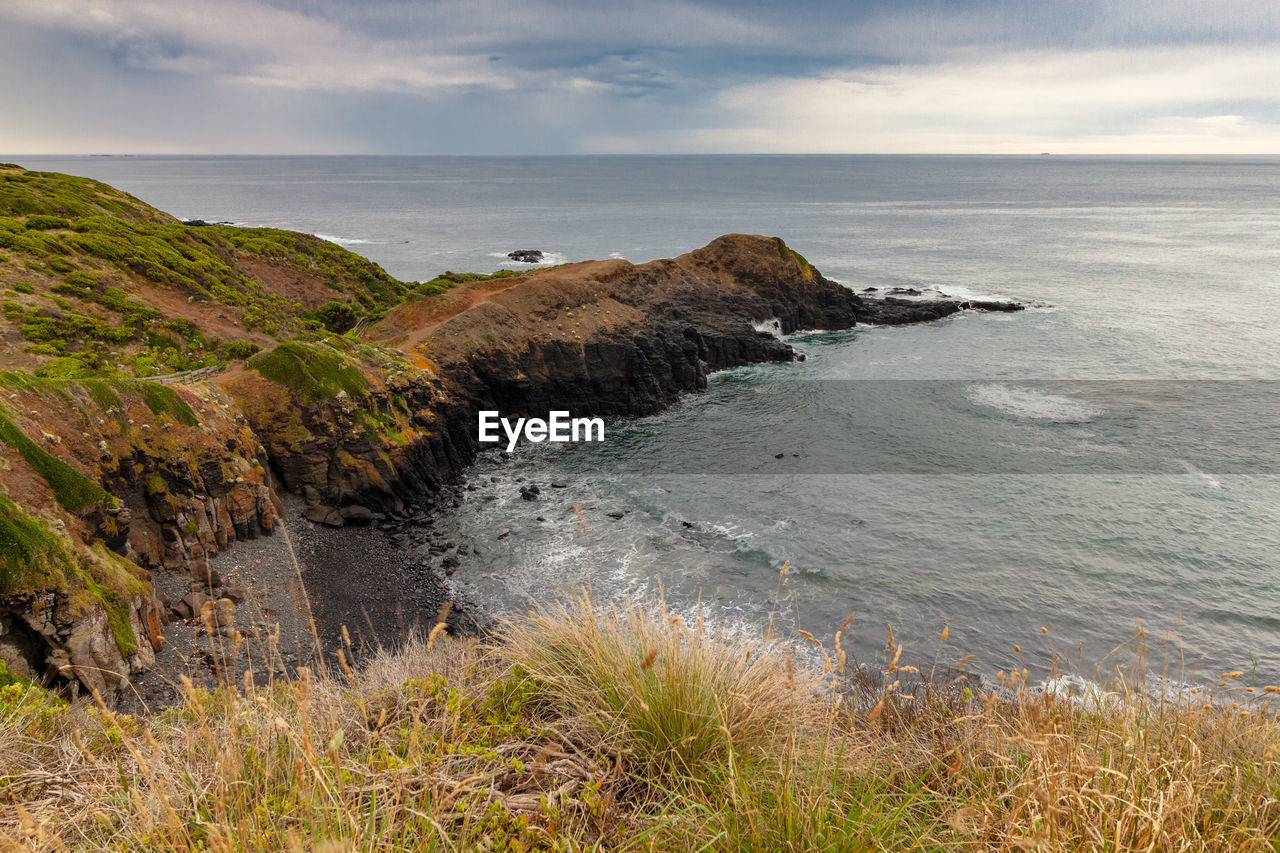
(284, 279)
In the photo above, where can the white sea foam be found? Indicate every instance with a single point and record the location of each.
(1030, 404)
(772, 327)
(1193, 470)
(350, 241)
(1081, 692)
(1089, 695)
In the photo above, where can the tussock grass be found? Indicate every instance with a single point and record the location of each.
(673, 697)
(627, 729)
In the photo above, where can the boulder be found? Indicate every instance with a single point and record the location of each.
(526, 256)
(236, 593)
(204, 574)
(357, 515)
(326, 515)
(191, 604)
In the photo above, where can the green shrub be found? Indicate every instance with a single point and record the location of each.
(39, 222)
(337, 317)
(81, 280)
(61, 265)
(39, 329)
(24, 287)
(62, 369)
(240, 350)
(13, 312)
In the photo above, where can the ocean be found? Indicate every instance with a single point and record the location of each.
(1097, 466)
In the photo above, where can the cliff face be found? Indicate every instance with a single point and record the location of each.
(108, 480)
(106, 483)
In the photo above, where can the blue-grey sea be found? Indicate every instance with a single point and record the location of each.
(1136, 490)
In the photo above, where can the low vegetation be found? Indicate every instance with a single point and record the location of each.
(83, 266)
(310, 371)
(627, 729)
(73, 490)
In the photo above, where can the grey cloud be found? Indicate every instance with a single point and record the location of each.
(384, 75)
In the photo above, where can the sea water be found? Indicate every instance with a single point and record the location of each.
(1100, 464)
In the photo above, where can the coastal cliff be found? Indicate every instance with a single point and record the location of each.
(295, 366)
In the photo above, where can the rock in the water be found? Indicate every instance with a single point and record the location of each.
(530, 493)
(990, 305)
(526, 256)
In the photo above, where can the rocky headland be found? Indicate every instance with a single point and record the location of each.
(172, 387)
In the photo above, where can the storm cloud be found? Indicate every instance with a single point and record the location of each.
(395, 76)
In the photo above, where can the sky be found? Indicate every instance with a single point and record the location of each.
(644, 77)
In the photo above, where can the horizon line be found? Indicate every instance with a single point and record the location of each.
(174, 154)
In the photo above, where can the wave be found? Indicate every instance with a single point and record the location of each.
(1194, 471)
(1089, 695)
(772, 327)
(1029, 404)
(350, 241)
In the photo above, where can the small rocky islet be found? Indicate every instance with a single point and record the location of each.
(174, 392)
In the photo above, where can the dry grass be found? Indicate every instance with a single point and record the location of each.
(628, 729)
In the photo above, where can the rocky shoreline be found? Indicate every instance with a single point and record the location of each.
(370, 436)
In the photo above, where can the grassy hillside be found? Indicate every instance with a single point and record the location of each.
(629, 730)
(103, 281)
